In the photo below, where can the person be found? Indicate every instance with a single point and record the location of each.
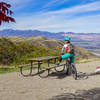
(69, 51)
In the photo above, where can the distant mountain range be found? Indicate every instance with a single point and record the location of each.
(29, 33)
(89, 41)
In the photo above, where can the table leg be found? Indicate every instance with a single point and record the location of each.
(48, 63)
(39, 67)
(30, 71)
(31, 67)
(54, 60)
(43, 73)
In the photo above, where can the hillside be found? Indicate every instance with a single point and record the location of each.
(38, 41)
(90, 41)
(18, 52)
(52, 44)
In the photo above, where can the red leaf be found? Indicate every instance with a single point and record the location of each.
(5, 12)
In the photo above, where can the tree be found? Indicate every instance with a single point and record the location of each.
(5, 12)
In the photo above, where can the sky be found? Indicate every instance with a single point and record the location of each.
(55, 15)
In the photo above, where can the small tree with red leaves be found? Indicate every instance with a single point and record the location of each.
(5, 12)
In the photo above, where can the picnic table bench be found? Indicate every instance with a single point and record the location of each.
(38, 61)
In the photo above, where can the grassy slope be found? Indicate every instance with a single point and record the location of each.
(53, 45)
(81, 53)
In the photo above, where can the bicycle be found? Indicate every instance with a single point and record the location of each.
(69, 67)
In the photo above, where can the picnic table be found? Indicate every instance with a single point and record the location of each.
(39, 61)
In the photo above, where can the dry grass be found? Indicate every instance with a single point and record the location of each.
(87, 60)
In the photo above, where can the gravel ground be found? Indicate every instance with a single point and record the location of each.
(13, 86)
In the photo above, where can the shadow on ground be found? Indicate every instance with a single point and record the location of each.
(80, 75)
(93, 94)
(58, 75)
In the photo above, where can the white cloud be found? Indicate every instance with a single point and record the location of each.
(58, 21)
(19, 4)
(82, 24)
(54, 3)
(77, 9)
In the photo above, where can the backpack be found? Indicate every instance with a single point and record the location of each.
(71, 48)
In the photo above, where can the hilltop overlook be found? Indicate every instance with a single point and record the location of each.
(90, 41)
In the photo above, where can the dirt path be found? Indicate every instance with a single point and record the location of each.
(13, 86)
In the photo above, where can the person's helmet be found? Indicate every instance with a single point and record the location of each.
(67, 38)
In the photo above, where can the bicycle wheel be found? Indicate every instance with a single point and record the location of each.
(74, 72)
(68, 69)
(60, 68)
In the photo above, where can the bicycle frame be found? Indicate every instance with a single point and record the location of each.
(71, 69)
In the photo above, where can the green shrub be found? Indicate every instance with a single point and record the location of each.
(7, 51)
(12, 54)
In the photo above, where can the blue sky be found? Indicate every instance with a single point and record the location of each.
(55, 15)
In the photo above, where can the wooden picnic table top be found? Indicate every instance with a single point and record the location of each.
(43, 58)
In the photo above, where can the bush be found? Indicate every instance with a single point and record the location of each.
(11, 53)
(7, 51)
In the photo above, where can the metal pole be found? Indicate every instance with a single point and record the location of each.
(31, 67)
(54, 60)
(49, 63)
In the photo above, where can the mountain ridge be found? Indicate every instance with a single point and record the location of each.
(90, 41)
(12, 32)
